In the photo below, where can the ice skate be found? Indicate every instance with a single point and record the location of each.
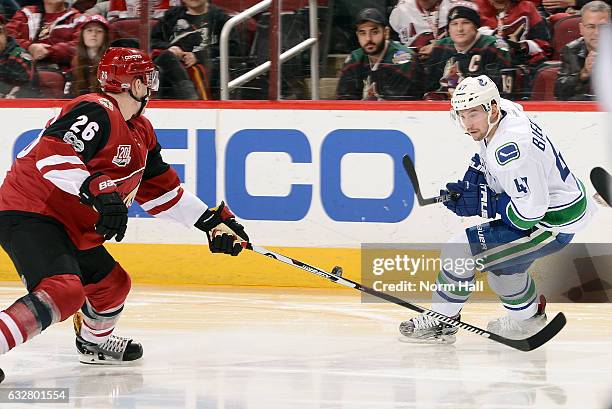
(518, 329)
(114, 351)
(427, 330)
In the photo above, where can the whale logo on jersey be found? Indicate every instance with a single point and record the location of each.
(507, 153)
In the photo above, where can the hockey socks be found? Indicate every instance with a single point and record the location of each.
(53, 300)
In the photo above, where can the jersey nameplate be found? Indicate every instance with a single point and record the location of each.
(507, 153)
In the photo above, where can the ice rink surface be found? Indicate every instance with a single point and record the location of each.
(237, 348)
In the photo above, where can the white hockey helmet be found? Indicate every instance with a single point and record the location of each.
(475, 91)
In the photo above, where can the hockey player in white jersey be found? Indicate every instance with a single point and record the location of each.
(521, 176)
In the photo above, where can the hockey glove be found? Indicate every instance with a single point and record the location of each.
(473, 200)
(99, 191)
(224, 233)
(475, 173)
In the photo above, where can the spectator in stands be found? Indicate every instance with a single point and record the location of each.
(521, 26)
(185, 42)
(566, 6)
(93, 42)
(8, 8)
(577, 57)
(380, 69)
(48, 32)
(464, 53)
(15, 66)
(131, 8)
(419, 23)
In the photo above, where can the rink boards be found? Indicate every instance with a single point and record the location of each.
(314, 181)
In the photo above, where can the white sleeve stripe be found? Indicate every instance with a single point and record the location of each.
(58, 160)
(166, 197)
(534, 48)
(69, 180)
(187, 210)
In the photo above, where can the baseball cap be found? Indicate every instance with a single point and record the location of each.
(371, 14)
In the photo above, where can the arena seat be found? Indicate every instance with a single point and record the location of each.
(51, 84)
(566, 31)
(544, 83)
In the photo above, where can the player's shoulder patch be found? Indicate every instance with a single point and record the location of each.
(507, 153)
(106, 102)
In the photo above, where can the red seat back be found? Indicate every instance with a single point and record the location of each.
(51, 84)
(544, 84)
(566, 31)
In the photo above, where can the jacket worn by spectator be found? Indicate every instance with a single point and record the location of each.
(446, 66)
(198, 34)
(15, 67)
(569, 85)
(395, 78)
(417, 27)
(59, 30)
(521, 26)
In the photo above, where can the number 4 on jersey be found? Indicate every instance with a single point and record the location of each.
(521, 185)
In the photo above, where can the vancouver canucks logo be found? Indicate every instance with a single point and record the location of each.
(507, 153)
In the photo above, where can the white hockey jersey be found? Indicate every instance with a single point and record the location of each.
(410, 21)
(521, 161)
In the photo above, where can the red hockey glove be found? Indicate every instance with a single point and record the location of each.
(100, 191)
(224, 233)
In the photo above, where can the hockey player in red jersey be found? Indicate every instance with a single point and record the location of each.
(69, 191)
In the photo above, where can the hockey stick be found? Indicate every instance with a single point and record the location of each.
(409, 168)
(528, 344)
(602, 182)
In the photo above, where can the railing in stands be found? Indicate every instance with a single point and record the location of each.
(311, 42)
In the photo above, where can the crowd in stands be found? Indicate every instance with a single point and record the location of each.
(395, 49)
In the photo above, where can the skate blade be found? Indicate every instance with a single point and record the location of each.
(442, 340)
(89, 361)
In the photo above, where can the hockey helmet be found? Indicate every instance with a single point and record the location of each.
(475, 91)
(119, 66)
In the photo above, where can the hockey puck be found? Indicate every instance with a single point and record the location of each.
(1, 376)
(337, 270)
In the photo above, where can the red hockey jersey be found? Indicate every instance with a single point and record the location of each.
(90, 135)
(519, 22)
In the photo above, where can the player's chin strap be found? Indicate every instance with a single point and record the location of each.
(143, 101)
(491, 125)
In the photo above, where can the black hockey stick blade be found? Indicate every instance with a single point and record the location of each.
(602, 182)
(409, 168)
(536, 340)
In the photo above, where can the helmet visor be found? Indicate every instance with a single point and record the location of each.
(151, 80)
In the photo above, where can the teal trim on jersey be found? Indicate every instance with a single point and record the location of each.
(517, 220)
(569, 214)
(519, 247)
(513, 154)
(523, 299)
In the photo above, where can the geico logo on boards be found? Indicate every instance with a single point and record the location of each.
(323, 158)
